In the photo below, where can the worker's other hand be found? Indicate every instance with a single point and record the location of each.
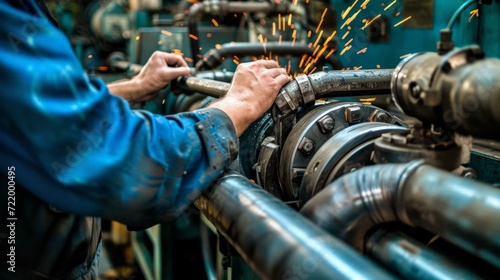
(253, 90)
(158, 72)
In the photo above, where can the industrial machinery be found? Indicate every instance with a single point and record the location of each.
(378, 160)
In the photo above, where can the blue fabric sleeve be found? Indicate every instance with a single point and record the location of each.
(83, 150)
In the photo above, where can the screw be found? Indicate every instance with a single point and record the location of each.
(415, 91)
(326, 124)
(381, 117)
(306, 145)
(353, 114)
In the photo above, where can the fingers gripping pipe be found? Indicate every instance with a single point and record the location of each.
(464, 212)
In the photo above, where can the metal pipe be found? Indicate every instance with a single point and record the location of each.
(205, 86)
(276, 241)
(214, 57)
(411, 259)
(219, 8)
(305, 89)
(461, 211)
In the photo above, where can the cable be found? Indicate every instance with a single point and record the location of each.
(457, 13)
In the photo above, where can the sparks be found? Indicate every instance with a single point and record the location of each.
(317, 39)
(345, 49)
(349, 20)
(368, 22)
(388, 6)
(329, 54)
(348, 42)
(166, 32)
(348, 10)
(345, 35)
(402, 21)
(362, 51)
(236, 61)
(215, 22)
(364, 4)
(193, 37)
(406, 55)
(474, 13)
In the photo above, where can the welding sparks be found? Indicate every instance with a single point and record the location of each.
(348, 42)
(236, 61)
(345, 49)
(388, 6)
(192, 36)
(364, 4)
(402, 21)
(406, 55)
(348, 10)
(329, 54)
(368, 22)
(345, 35)
(166, 32)
(474, 13)
(362, 51)
(349, 20)
(215, 22)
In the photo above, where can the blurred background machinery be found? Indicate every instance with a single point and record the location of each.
(379, 160)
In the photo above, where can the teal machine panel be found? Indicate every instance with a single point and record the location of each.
(388, 38)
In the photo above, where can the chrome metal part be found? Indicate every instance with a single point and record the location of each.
(310, 134)
(319, 168)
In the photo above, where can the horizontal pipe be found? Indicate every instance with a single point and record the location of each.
(214, 57)
(411, 259)
(461, 211)
(305, 89)
(232, 7)
(205, 86)
(276, 241)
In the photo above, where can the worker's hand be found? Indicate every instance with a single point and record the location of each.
(158, 72)
(253, 90)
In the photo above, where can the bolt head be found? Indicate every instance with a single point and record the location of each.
(326, 124)
(306, 146)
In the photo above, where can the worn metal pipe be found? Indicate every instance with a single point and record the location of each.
(276, 241)
(214, 57)
(221, 8)
(461, 211)
(205, 86)
(305, 89)
(411, 259)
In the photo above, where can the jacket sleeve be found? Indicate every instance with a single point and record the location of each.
(83, 150)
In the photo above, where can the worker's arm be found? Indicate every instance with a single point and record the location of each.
(84, 151)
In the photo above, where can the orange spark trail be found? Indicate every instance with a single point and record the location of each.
(349, 20)
(166, 32)
(329, 53)
(215, 22)
(289, 19)
(345, 35)
(317, 39)
(368, 22)
(279, 21)
(388, 6)
(319, 25)
(348, 42)
(346, 12)
(362, 51)
(402, 21)
(193, 37)
(364, 4)
(406, 55)
(345, 49)
(302, 60)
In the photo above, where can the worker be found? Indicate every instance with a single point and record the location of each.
(71, 151)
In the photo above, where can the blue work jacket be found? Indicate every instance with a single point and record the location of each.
(75, 152)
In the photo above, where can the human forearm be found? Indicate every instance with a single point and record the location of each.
(126, 89)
